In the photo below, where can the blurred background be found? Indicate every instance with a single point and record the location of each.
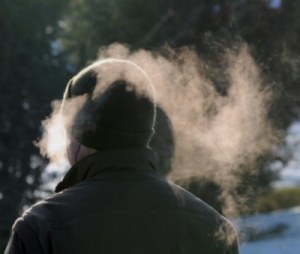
(43, 43)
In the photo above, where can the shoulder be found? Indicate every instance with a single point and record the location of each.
(24, 238)
(220, 231)
(189, 202)
(31, 231)
(33, 220)
(42, 214)
(34, 226)
(177, 197)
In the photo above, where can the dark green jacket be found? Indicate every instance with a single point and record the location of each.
(114, 202)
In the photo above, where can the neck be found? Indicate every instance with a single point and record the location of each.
(77, 152)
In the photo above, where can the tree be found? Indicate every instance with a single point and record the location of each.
(32, 73)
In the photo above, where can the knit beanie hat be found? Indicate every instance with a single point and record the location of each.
(118, 116)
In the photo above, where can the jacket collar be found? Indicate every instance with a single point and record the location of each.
(142, 159)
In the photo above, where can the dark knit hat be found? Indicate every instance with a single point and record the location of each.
(119, 116)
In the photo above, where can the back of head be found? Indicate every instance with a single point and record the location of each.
(112, 115)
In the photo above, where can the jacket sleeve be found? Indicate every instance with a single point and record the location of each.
(23, 239)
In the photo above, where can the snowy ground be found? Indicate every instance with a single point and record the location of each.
(277, 232)
(290, 174)
(274, 233)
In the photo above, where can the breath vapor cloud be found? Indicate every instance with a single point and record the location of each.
(214, 134)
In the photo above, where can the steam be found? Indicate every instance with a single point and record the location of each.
(214, 134)
(53, 143)
(110, 70)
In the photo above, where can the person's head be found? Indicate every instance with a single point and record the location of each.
(109, 116)
(163, 142)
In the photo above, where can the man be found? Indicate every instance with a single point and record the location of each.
(113, 200)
